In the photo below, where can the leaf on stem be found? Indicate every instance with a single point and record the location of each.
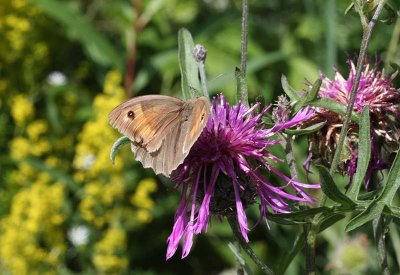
(188, 66)
(291, 93)
(334, 107)
(311, 95)
(364, 154)
(330, 189)
(307, 130)
(373, 211)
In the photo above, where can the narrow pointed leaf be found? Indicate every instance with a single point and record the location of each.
(330, 219)
(334, 106)
(314, 90)
(311, 95)
(373, 211)
(290, 92)
(189, 69)
(364, 154)
(300, 215)
(287, 258)
(393, 212)
(392, 183)
(330, 189)
(306, 131)
(117, 146)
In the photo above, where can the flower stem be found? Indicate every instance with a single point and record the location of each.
(290, 159)
(367, 31)
(367, 27)
(240, 73)
(235, 229)
(309, 247)
(130, 72)
(379, 235)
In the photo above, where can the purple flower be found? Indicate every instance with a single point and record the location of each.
(383, 100)
(224, 172)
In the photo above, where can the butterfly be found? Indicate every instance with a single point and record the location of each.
(162, 129)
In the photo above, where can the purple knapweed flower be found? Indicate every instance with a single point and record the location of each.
(376, 91)
(225, 172)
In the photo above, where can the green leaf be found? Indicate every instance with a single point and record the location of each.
(305, 131)
(373, 211)
(291, 93)
(287, 258)
(96, 45)
(117, 146)
(300, 215)
(330, 189)
(310, 95)
(330, 220)
(364, 154)
(392, 183)
(334, 106)
(189, 69)
(393, 212)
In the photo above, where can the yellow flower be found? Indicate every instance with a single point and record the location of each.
(32, 234)
(20, 148)
(108, 253)
(36, 128)
(22, 109)
(141, 198)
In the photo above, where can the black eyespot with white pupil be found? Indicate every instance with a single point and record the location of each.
(131, 115)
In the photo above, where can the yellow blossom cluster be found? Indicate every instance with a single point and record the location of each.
(31, 240)
(141, 199)
(15, 25)
(104, 186)
(102, 181)
(22, 109)
(109, 255)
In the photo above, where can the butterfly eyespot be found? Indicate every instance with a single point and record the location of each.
(131, 114)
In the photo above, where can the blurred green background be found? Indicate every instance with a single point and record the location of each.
(64, 208)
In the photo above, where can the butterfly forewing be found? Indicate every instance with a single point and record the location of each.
(162, 128)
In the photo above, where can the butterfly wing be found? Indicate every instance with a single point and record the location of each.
(197, 112)
(160, 128)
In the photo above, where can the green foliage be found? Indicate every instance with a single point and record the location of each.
(62, 65)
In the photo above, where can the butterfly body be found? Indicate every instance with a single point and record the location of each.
(162, 128)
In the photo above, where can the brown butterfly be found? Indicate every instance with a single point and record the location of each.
(162, 128)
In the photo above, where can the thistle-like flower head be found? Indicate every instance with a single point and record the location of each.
(376, 91)
(225, 172)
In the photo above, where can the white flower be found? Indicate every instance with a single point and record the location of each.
(56, 78)
(79, 235)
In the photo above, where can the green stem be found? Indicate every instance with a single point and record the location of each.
(290, 159)
(240, 73)
(245, 32)
(367, 31)
(379, 235)
(395, 240)
(235, 229)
